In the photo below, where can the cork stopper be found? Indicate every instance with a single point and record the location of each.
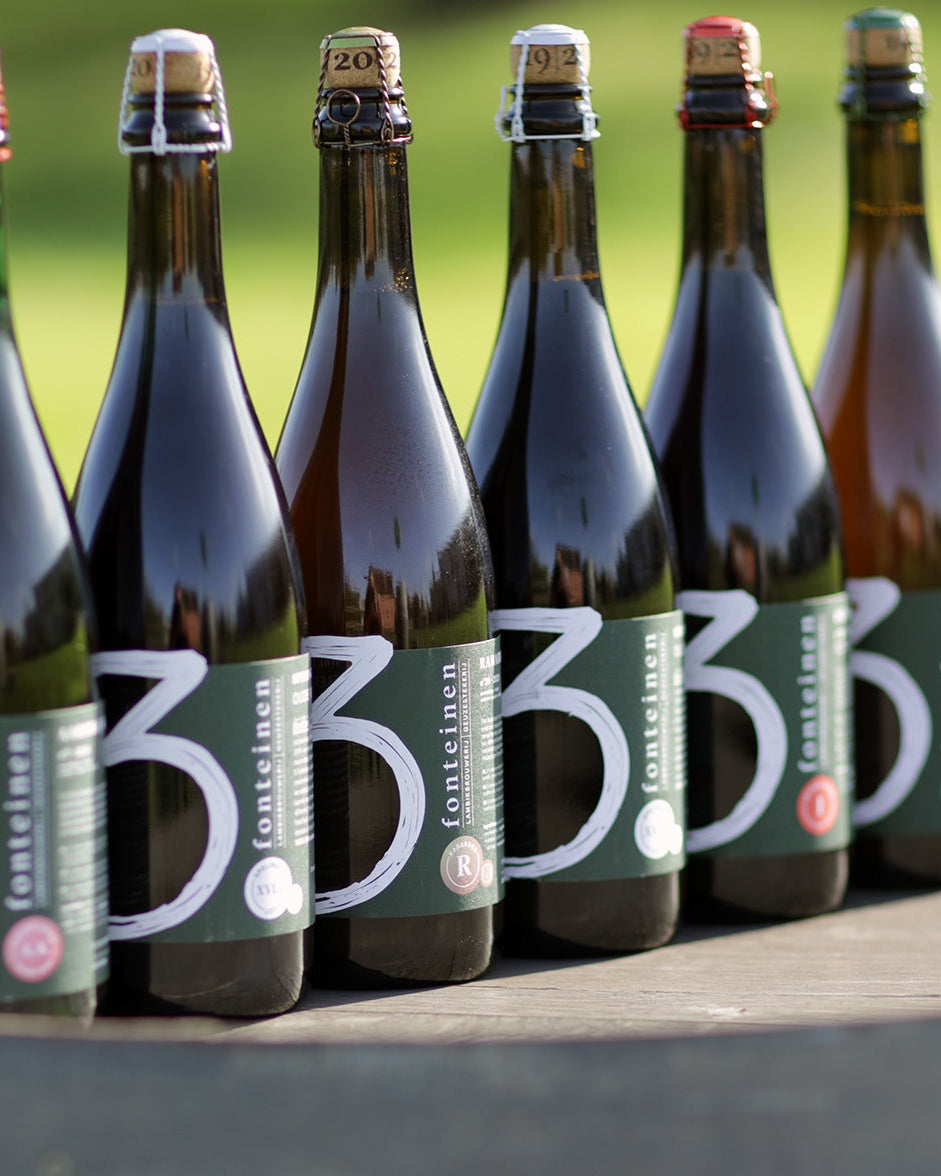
(885, 73)
(555, 55)
(173, 62)
(357, 58)
(883, 38)
(722, 45)
(187, 62)
(724, 84)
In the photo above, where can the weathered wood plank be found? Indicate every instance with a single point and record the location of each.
(860, 1100)
(871, 962)
(877, 960)
(670, 1060)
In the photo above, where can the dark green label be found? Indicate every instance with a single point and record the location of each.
(624, 680)
(786, 666)
(896, 640)
(433, 716)
(242, 734)
(53, 861)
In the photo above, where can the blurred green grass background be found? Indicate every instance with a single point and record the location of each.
(63, 66)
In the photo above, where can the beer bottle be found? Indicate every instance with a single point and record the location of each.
(54, 908)
(206, 691)
(757, 526)
(405, 730)
(592, 646)
(878, 397)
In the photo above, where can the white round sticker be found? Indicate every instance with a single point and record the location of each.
(270, 889)
(657, 831)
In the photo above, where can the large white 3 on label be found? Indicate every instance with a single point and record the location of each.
(875, 598)
(731, 612)
(529, 691)
(368, 657)
(178, 673)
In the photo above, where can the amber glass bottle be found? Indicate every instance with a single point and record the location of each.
(757, 527)
(53, 867)
(194, 572)
(407, 766)
(592, 645)
(878, 397)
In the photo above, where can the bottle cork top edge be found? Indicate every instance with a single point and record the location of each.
(360, 57)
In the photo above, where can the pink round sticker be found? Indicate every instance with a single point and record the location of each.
(32, 949)
(818, 805)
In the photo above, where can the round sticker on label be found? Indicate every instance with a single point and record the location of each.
(32, 949)
(657, 831)
(270, 890)
(464, 867)
(818, 805)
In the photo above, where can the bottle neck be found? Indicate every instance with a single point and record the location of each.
(886, 182)
(552, 211)
(174, 251)
(723, 200)
(365, 233)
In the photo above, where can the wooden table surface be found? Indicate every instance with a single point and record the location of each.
(873, 961)
(809, 1046)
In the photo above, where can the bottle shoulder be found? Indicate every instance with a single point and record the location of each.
(46, 615)
(568, 434)
(385, 509)
(176, 415)
(741, 454)
(33, 501)
(727, 364)
(884, 345)
(369, 406)
(178, 499)
(555, 382)
(878, 397)
(567, 477)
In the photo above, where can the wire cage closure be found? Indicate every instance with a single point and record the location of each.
(513, 112)
(328, 99)
(160, 44)
(761, 104)
(885, 74)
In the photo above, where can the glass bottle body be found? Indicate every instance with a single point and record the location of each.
(46, 616)
(391, 542)
(576, 518)
(878, 398)
(752, 497)
(189, 549)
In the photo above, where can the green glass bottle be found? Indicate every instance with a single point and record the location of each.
(592, 646)
(757, 527)
(195, 579)
(878, 397)
(53, 863)
(407, 767)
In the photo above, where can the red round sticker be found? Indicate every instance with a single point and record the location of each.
(818, 805)
(32, 949)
